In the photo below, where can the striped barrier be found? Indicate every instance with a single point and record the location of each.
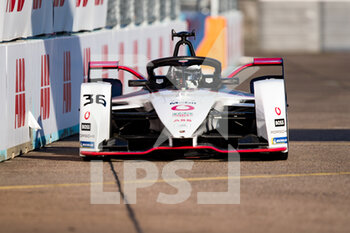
(40, 79)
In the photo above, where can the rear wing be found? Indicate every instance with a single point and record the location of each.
(260, 62)
(107, 65)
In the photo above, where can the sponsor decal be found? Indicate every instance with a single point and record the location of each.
(86, 144)
(182, 107)
(183, 102)
(182, 120)
(182, 114)
(278, 111)
(279, 140)
(85, 126)
(87, 115)
(87, 136)
(279, 122)
(279, 131)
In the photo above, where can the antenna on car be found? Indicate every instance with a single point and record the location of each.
(184, 41)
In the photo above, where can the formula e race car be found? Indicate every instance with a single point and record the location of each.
(184, 105)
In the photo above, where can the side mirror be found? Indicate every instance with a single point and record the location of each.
(230, 81)
(137, 83)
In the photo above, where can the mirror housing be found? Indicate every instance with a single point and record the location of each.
(230, 81)
(137, 83)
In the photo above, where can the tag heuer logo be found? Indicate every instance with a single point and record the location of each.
(279, 122)
(85, 126)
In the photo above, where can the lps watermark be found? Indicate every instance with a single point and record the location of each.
(168, 174)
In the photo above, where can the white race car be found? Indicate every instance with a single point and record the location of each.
(185, 105)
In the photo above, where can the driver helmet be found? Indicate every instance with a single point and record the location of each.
(192, 75)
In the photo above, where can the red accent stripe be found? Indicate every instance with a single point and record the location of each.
(45, 70)
(42, 103)
(66, 87)
(94, 153)
(69, 67)
(19, 111)
(64, 95)
(20, 75)
(70, 96)
(23, 108)
(23, 75)
(135, 55)
(139, 76)
(48, 69)
(121, 59)
(105, 58)
(239, 70)
(16, 112)
(161, 53)
(42, 83)
(149, 49)
(64, 67)
(47, 110)
(48, 103)
(17, 76)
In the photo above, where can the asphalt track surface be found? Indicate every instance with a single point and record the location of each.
(49, 190)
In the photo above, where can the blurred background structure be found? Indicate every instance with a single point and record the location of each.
(296, 25)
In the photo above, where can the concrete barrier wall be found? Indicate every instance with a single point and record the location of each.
(335, 34)
(40, 79)
(289, 26)
(304, 26)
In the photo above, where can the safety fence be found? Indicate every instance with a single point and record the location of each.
(40, 79)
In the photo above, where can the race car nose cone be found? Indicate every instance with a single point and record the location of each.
(182, 113)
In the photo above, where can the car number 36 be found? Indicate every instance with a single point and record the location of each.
(89, 98)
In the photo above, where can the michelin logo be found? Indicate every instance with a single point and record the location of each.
(279, 140)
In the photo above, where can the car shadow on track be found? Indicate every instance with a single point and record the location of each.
(71, 153)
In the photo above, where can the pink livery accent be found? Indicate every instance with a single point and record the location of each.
(103, 64)
(95, 153)
(113, 65)
(268, 61)
(258, 62)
